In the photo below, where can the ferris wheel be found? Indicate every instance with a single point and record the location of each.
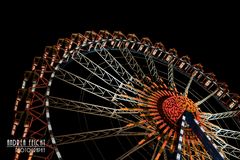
(111, 96)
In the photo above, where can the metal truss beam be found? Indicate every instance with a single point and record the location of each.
(151, 66)
(206, 98)
(84, 84)
(95, 69)
(132, 63)
(116, 66)
(188, 85)
(171, 82)
(99, 134)
(218, 131)
(95, 89)
(215, 116)
(225, 147)
(102, 74)
(76, 106)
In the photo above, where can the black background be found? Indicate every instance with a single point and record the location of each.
(208, 33)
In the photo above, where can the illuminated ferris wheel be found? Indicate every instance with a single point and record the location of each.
(111, 96)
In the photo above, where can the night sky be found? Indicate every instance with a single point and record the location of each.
(208, 34)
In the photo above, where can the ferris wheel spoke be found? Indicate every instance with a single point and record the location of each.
(218, 131)
(164, 143)
(132, 63)
(202, 151)
(84, 84)
(96, 90)
(141, 144)
(187, 148)
(171, 82)
(98, 134)
(155, 150)
(117, 66)
(206, 98)
(194, 149)
(77, 106)
(194, 152)
(215, 116)
(225, 147)
(232, 151)
(188, 85)
(95, 69)
(172, 143)
(152, 68)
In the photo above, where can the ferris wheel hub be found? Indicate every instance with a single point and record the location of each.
(174, 106)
